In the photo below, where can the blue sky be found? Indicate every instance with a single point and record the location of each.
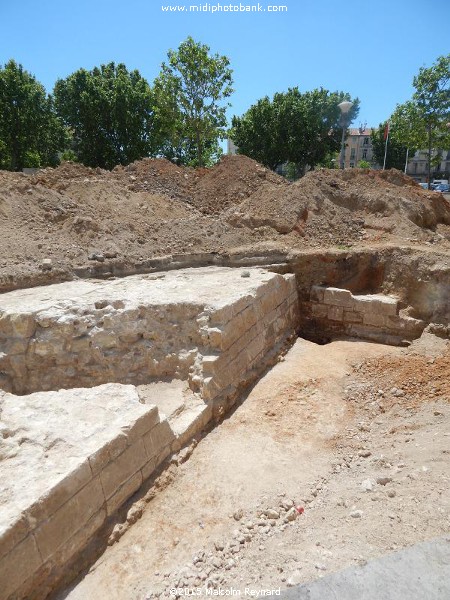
(371, 49)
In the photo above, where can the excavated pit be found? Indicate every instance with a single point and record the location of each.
(102, 381)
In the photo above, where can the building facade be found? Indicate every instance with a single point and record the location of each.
(358, 146)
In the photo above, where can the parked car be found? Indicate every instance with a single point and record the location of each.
(443, 187)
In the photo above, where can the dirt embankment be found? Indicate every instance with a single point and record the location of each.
(62, 219)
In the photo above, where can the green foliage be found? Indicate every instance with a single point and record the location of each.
(190, 116)
(292, 127)
(396, 151)
(30, 132)
(423, 121)
(109, 112)
(364, 164)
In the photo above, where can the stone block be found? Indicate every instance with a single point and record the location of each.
(352, 317)
(375, 303)
(319, 311)
(142, 425)
(317, 293)
(126, 490)
(157, 439)
(23, 325)
(338, 297)
(18, 565)
(335, 313)
(59, 494)
(80, 539)
(108, 453)
(374, 319)
(71, 517)
(149, 468)
(123, 467)
(13, 530)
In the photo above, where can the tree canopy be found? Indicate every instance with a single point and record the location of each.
(30, 132)
(423, 121)
(294, 127)
(109, 112)
(190, 112)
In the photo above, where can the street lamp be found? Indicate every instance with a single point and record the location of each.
(344, 121)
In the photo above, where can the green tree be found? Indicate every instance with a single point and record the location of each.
(396, 151)
(30, 132)
(190, 112)
(432, 99)
(109, 112)
(423, 121)
(292, 127)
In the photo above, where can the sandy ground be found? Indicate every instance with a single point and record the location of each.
(330, 438)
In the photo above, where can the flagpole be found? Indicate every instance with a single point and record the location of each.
(406, 162)
(385, 149)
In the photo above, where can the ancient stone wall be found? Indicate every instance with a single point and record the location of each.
(72, 457)
(372, 316)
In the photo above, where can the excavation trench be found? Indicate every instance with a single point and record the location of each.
(103, 380)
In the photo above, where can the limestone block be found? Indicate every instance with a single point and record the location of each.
(123, 467)
(352, 317)
(320, 311)
(375, 303)
(317, 293)
(149, 468)
(80, 539)
(63, 524)
(336, 313)
(338, 297)
(157, 439)
(23, 325)
(126, 490)
(13, 530)
(18, 565)
(59, 494)
(374, 319)
(142, 424)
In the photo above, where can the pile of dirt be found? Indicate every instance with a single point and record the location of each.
(58, 220)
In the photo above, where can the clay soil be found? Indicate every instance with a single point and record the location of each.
(341, 433)
(62, 220)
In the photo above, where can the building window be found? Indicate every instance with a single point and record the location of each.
(352, 164)
(352, 154)
(364, 154)
(366, 141)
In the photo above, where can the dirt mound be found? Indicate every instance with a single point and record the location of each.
(339, 205)
(75, 214)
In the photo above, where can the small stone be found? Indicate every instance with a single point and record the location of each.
(364, 453)
(320, 567)
(245, 274)
(384, 480)
(367, 485)
(272, 514)
(356, 514)
(238, 514)
(47, 264)
(292, 514)
(391, 494)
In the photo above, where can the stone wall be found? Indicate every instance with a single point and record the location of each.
(72, 457)
(371, 316)
(141, 328)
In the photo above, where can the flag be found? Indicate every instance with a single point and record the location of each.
(386, 131)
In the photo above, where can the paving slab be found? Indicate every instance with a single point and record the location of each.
(421, 572)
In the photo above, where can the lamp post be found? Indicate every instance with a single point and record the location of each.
(344, 107)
